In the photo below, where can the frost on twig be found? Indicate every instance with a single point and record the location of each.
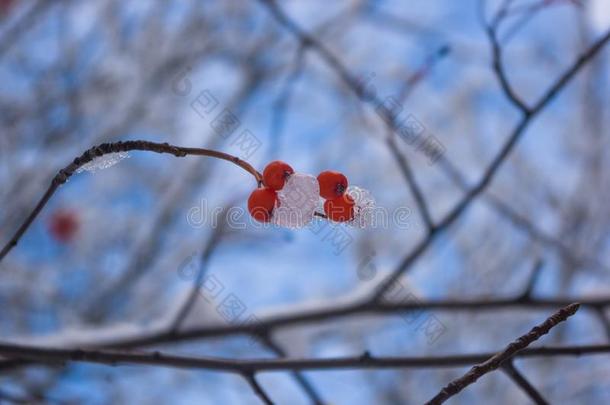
(103, 162)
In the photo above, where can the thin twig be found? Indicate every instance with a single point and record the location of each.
(520, 221)
(281, 103)
(501, 74)
(601, 314)
(521, 381)
(493, 167)
(331, 312)
(188, 304)
(46, 355)
(64, 174)
(405, 169)
(307, 387)
(307, 40)
(191, 299)
(529, 287)
(258, 390)
(399, 157)
(500, 358)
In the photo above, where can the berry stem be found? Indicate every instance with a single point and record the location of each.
(225, 156)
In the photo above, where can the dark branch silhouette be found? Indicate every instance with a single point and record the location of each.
(107, 148)
(497, 360)
(518, 378)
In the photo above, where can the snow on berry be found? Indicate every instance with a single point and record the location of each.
(276, 173)
(332, 184)
(262, 203)
(364, 207)
(103, 162)
(297, 201)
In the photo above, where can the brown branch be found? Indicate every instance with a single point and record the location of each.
(502, 357)
(64, 174)
(307, 316)
(47, 355)
(265, 326)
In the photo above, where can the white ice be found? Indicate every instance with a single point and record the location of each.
(103, 162)
(364, 208)
(298, 201)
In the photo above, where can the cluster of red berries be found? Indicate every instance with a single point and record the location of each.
(339, 206)
(263, 200)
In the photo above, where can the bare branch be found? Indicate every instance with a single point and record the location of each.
(450, 218)
(521, 381)
(305, 384)
(501, 74)
(491, 170)
(191, 299)
(45, 355)
(256, 387)
(308, 316)
(500, 358)
(107, 148)
(529, 287)
(601, 314)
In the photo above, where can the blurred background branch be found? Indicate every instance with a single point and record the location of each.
(409, 102)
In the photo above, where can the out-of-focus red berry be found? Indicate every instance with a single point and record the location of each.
(276, 173)
(261, 203)
(332, 184)
(64, 225)
(5, 6)
(340, 209)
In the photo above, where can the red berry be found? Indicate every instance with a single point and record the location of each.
(332, 184)
(276, 173)
(63, 225)
(340, 209)
(261, 203)
(5, 5)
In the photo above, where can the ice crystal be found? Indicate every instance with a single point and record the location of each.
(297, 201)
(103, 162)
(364, 208)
